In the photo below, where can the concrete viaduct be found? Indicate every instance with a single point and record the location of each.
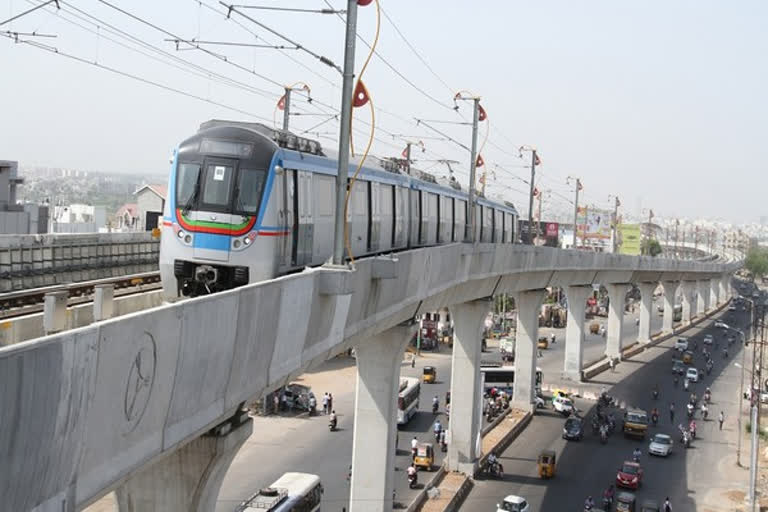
(150, 404)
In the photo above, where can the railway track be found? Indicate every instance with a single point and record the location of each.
(26, 302)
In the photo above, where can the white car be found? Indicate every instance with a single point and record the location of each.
(720, 324)
(681, 344)
(661, 445)
(538, 402)
(513, 503)
(692, 375)
(708, 340)
(562, 404)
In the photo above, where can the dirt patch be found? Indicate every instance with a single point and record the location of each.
(449, 486)
(736, 496)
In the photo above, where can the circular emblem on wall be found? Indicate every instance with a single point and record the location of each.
(141, 377)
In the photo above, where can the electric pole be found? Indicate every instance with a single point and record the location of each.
(538, 218)
(408, 158)
(615, 223)
(286, 108)
(346, 117)
(473, 170)
(530, 199)
(576, 211)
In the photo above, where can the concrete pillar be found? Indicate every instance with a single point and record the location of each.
(373, 438)
(714, 292)
(646, 310)
(189, 479)
(689, 296)
(55, 312)
(103, 302)
(702, 287)
(528, 305)
(617, 294)
(670, 289)
(574, 331)
(724, 292)
(466, 392)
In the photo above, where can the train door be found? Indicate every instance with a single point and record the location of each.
(213, 217)
(285, 190)
(303, 213)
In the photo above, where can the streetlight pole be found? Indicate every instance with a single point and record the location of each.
(615, 223)
(534, 159)
(346, 117)
(286, 108)
(576, 211)
(473, 170)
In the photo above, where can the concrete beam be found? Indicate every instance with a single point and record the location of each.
(617, 293)
(55, 312)
(466, 391)
(373, 439)
(189, 479)
(646, 310)
(528, 304)
(574, 331)
(384, 268)
(335, 280)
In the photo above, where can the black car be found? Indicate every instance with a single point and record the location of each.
(573, 429)
(678, 367)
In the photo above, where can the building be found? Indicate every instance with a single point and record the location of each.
(150, 202)
(127, 218)
(17, 218)
(79, 218)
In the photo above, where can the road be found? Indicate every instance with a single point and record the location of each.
(587, 467)
(281, 444)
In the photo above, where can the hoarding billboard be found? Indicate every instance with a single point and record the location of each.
(629, 239)
(592, 224)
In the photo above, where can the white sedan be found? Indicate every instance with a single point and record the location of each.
(513, 503)
(562, 405)
(692, 375)
(720, 324)
(661, 445)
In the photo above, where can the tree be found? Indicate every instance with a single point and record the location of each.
(757, 262)
(650, 247)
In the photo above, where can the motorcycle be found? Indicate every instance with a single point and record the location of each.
(675, 380)
(685, 438)
(332, 425)
(435, 406)
(603, 435)
(595, 426)
(413, 481)
(607, 502)
(690, 411)
(709, 368)
(655, 394)
(654, 419)
(725, 354)
(707, 397)
(494, 469)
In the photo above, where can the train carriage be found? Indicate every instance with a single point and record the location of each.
(248, 203)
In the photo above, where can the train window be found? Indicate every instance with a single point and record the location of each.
(217, 185)
(186, 179)
(250, 186)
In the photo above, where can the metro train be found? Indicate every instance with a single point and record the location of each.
(248, 203)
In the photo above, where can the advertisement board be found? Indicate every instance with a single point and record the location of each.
(629, 239)
(593, 224)
(548, 234)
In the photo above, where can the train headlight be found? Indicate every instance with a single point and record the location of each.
(180, 234)
(236, 243)
(188, 238)
(247, 241)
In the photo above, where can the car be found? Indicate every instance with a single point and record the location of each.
(563, 405)
(692, 375)
(661, 445)
(539, 402)
(732, 307)
(630, 475)
(708, 339)
(720, 324)
(573, 429)
(678, 367)
(513, 503)
(681, 344)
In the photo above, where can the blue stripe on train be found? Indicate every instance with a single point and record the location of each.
(211, 241)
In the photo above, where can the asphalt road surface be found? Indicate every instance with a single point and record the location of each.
(587, 467)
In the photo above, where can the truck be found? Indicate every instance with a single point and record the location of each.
(507, 349)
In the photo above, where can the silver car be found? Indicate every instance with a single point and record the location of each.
(661, 445)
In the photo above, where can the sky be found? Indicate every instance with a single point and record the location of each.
(661, 103)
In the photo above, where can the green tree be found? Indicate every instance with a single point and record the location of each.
(650, 247)
(757, 262)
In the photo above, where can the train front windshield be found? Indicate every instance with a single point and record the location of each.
(221, 186)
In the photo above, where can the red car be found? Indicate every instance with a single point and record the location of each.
(630, 475)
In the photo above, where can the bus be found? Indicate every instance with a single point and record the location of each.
(407, 399)
(292, 492)
(503, 377)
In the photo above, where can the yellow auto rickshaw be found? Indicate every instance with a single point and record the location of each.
(429, 375)
(425, 456)
(543, 342)
(688, 357)
(594, 328)
(547, 463)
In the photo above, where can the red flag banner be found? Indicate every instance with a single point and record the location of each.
(481, 179)
(535, 192)
(578, 184)
(536, 159)
(361, 95)
(482, 115)
(480, 162)
(405, 152)
(281, 103)
(364, 2)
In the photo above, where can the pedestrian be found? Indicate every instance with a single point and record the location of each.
(721, 419)
(325, 403)
(667, 505)
(330, 401)
(414, 446)
(671, 412)
(276, 401)
(284, 402)
(413, 361)
(611, 364)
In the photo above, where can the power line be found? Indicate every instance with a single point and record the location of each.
(420, 121)
(137, 78)
(29, 11)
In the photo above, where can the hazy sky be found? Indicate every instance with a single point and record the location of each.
(660, 102)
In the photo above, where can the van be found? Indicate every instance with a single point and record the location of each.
(681, 344)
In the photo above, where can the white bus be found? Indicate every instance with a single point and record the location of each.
(292, 492)
(407, 399)
(503, 378)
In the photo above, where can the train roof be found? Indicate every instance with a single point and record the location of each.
(305, 153)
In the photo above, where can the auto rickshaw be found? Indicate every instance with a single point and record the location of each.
(425, 456)
(650, 506)
(547, 463)
(429, 375)
(594, 328)
(625, 502)
(688, 357)
(543, 342)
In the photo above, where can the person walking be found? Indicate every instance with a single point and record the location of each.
(325, 403)
(276, 401)
(671, 412)
(721, 419)
(330, 401)
(611, 364)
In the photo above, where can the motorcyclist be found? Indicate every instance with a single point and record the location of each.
(636, 454)
(685, 384)
(437, 428)
(589, 503)
(332, 421)
(414, 446)
(690, 410)
(655, 392)
(704, 410)
(667, 505)
(692, 428)
(435, 404)
(412, 476)
(655, 415)
(608, 494)
(493, 463)
(675, 380)
(312, 405)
